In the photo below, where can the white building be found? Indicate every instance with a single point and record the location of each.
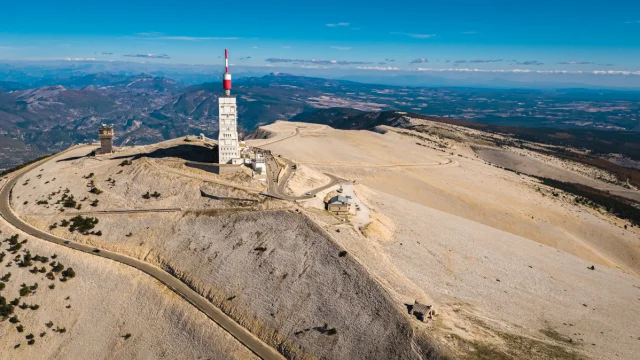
(259, 166)
(228, 146)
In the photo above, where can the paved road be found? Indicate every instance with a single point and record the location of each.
(277, 188)
(241, 334)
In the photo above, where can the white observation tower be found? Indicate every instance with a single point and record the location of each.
(227, 119)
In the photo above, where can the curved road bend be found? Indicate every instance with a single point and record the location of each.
(277, 189)
(241, 334)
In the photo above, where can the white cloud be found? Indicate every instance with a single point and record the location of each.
(381, 68)
(469, 32)
(341, 47)
(161, 36)
(150, 56)
(525, 71)
(415, 36)
(340, 24)
(422, 36)
(195, 38)
(80, 59)
(419, 61)
(286, 47)
(150, 33)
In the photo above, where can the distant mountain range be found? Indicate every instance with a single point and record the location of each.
(52, 112)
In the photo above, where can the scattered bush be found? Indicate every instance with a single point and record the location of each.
(20, 328)
(42, 202)
(126, 336)
(146, 196)
(82, 224)
(94, 203)
(6, 309)
(155, 194)
(342, 253)
(95, 190)
(25, 290)
(126, 162)
(69, 273)
(57, 268)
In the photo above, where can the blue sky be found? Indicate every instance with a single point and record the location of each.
(490, 35)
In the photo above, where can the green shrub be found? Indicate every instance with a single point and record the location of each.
(69, 202)
(82, 224)
(25, 290)
(6, 309)
(69, 273)
(57, 268)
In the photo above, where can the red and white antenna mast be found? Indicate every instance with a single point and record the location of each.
(226, 78)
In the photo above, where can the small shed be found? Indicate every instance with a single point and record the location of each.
(423, 312)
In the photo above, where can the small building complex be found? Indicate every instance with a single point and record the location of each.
(259, 165)
(228, 146)
(105, 133)
(339, 205)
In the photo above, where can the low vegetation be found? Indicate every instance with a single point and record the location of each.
(9, 171)
(595, 198)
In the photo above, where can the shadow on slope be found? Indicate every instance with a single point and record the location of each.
(185, 152)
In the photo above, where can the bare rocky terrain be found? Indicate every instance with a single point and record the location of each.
(514, 268)
(105, 311)
(264, 263)
(507, 261)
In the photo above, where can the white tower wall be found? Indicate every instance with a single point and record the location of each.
(228, 145)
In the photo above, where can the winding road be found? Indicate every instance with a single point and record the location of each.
(277, 188)
(253, 343)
